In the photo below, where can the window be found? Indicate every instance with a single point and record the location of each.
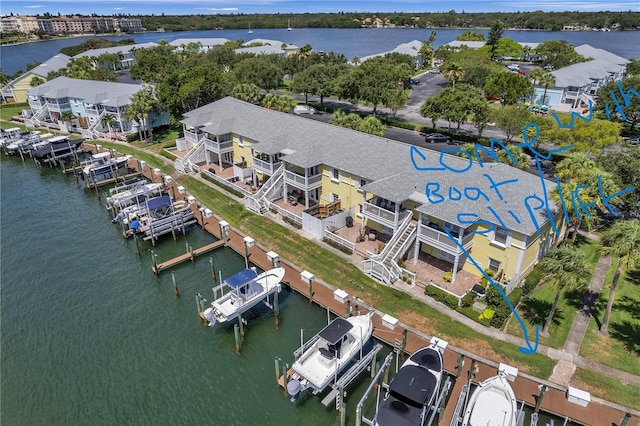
(500, 235)
(334, 197)
(494, 265)
(335, 174)
(359, 210)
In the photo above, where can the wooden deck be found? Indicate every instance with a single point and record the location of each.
(184, 257)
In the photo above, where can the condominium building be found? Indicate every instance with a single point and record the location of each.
(420, 204)
(69, 24)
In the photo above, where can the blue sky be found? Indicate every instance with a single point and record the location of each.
(185, 7)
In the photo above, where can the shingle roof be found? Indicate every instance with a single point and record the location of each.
(411, 48)
(203, 41)
(115, 49)
(383, 162)
(261, 50)
(602, 65)
(54, 63)
(103, 92)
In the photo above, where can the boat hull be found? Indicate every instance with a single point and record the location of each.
(492, 402)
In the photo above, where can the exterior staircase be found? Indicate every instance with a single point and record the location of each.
(91, 132)
(195, 155)
(40, 115)
(384, 267)
(258, 202)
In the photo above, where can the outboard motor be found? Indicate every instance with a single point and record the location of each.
(118, 217)
(293, 389)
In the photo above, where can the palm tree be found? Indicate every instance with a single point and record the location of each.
(546, 80)
(454, 72)
(247, 92)
(304, 53)
(621, 240)
(564, 267)
(107, 121)
(269, 101)
(535, 75)
(285, 103)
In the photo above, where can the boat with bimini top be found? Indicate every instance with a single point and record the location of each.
(244, 290)
(413, 389)
(320, 361)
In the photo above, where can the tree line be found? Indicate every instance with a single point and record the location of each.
(535, 20)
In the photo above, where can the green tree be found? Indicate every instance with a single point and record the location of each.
(36, 81)
(143, 105)
(510, 87)
(563, 267)
(621, 240)
(396, 100)
(624, 167)
(319, 79)
(626, 105)
(469, 35)
(372, 125)
(480, 114)
(453, 72)
(432, 109)
(495, 34)
(546, 80)
(558, 54)
(108, 120)
(522, 159)
(535, 75)
(247, 92)
(285, 103)
(511, 119)
(260, 71)
(426, 53)
(346, 120)
(66, 117)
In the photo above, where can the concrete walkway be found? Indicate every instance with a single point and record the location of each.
(581, 321)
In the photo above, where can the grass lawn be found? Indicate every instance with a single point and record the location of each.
(621, 349)
(7, 113)
(535, 308)
(606, 388)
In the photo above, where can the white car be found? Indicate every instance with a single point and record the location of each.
(304, 109)
(514, 67)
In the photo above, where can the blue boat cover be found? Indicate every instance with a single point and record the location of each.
(241, 278)
(156, 203)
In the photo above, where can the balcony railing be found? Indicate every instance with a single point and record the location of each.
(302, 182)
(213, 145)
(442, 241)
(265, 166)
(381, 215)
(192, 137)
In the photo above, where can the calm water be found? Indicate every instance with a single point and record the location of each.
(351, 42)
(90, 336)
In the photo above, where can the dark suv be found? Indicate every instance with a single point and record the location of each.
(437, 137)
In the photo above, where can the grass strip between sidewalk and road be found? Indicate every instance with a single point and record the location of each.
(606, 388)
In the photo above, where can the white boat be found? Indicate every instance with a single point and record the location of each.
(132, 194)
(320, 361)
(289, 25)
(103, 166)
(249, 32)
(413, 389)
(244, 290)
(158, 216)
(492, 403)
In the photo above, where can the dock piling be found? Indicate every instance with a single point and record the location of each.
(236, 333)
(543, 389)
(348, 308)
(135, 238)
(241, 325)
(175, 287)
(277, 360)
(276, 309)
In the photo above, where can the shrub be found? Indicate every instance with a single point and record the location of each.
(468, 299)
(532, 281)
(292, 223)
(334, 244)
(132, 137)
(226, 188)
(441, 296)
(168, 155)
(448, 276)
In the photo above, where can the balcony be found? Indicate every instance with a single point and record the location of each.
(382, 215)
(192, 137)
(265, 167)
(56, 107)
(305, 183)
(441, 240)
(215, 146)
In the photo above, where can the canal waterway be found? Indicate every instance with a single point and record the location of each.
(90, 336)
(351, 42)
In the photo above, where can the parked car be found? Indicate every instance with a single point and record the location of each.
(513, 67)
(414, 81)
(434, 71)
(634, 140)
(304, 109)
(437, 137)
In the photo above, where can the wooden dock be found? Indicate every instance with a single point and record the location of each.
(187, 256)
(116, 179)
(525, 387)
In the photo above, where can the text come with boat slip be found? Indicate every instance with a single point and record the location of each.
(532, 203)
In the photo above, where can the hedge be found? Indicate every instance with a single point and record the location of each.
(441, 296)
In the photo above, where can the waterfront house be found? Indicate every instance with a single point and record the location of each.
(324, 179)
(88, 101)
(16, 90)
(126, 54)
(411, 48)
(204, 44)
(261, 46)
(577, 84)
